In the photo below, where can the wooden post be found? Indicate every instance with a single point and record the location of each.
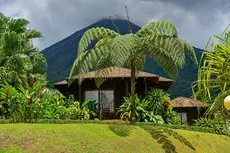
(126, 88)
(145, 86)
(99, 104)
(79, 92)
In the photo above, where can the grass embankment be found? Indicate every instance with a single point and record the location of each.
(107, 138)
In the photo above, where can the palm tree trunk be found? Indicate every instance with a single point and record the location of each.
(133, 106)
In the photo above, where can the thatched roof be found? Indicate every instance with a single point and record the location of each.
(117, 72)
(187, 102)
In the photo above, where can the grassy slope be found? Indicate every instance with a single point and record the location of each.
(106, 138)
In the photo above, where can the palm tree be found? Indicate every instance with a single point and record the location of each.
(157, 39)
(213, 83)
(19, 59)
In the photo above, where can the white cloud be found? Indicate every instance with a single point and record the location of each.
(196, 20)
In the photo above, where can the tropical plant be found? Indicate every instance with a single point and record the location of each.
(83, 110)
(158, 39)
(54, 105)
(157, 97)
(160, 104)
(20, 103)
(213, 83)
(151, 117)
(126, 108)
(217, 124)
(171, 117)
(20, 61)
(38, 102)
(142, 114)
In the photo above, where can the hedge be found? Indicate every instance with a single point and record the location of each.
(56, 121)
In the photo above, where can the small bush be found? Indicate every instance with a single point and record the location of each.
(217, 124)
(172, 117)
(152, 109)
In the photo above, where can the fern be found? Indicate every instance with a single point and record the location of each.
(94, 34)
(158, 39)
(162, 28)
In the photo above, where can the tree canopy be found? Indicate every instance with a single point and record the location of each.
(19, 59)
(158, 39)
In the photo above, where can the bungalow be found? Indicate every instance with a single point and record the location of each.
(113, 90)
(189, 109)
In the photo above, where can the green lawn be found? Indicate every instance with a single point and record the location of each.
(106, 138)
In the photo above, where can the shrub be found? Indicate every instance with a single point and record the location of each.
(142, 115)
(38, 102)
(125, 109)
(172, 117)
(156, 98)
(217, 124)
(21, 103)
(160, 104)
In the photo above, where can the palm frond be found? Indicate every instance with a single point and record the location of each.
(171, 47)
(213, 82)
(30, 34)
(123, 48)
(158, 28)
(18, 25)
(94, 34)
(86, 62)
(166, 61)
(104, 67)
(189, 50)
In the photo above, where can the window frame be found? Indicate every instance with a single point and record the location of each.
(103, 90)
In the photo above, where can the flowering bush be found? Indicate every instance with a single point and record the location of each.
(38, 102)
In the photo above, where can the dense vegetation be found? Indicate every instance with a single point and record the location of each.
(155, 107)
(38, 102)
(20, 61)
(24, 95)
(213, 82)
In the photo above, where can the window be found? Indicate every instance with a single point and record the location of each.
(106, 98)
(183, 117)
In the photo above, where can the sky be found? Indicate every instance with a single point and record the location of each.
(196, 20)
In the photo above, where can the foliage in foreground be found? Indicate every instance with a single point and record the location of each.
(156, 39)
(156, 108)
(38, 102)
(20, 61)
(213, 83)
(217, 124)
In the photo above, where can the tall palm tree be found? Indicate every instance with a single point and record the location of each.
(19, 59)
(158, 39)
